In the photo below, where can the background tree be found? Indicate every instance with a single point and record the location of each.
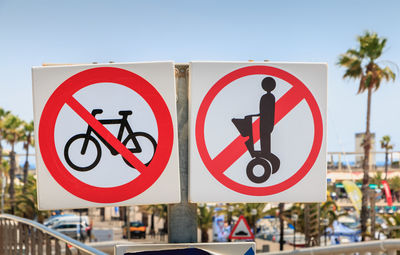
(161, 211)
(3, 114)
(205, 216)
(394, 184)
(12, 134)
(393, 223)
(26, 202)
(328, 210)
(385, 144)
(361, 64)
(252, 212)
(28, 141)
(377, 179)
(4, 166)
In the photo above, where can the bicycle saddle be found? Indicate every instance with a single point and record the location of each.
(96, 111)
(123, 113)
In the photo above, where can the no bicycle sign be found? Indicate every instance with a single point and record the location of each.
(258, 132)
(106, 135)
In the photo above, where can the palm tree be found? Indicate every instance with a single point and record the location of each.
(160, 210)
(361, 63)
(12, 134)
(4, 166)
(327, 211)
(205, 220)
(392, 221)
(26, 202)
(3, 114)
(385, 144)
(152, 209)
(394, 184)
(28, 141)
(377, 179)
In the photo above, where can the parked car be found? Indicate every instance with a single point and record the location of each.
(66, 218)
(75, 230)
(136, 228)
(53, 219)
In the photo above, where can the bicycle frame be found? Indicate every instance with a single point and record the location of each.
(123, 122)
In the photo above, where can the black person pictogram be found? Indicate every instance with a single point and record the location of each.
(89, 137)
(264, 158)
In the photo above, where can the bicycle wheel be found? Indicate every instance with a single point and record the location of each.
(141, 137)
(258, 178)
(67, 152)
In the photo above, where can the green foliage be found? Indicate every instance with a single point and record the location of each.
(360, 63)
(394, 183)
(3, 115)
(393, 222)
(27, 134)
(21, 200)
(248, 210)
(377, 179)
(328, 210)
(160, 210)
(26, 202)
(385, 143)
(205, 216)
(4, 167)
(12, 129)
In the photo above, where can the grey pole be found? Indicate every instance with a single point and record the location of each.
(182, 217)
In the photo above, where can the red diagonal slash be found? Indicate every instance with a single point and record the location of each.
(107, 135)
(237, 148)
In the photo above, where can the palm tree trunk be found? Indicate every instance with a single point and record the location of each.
(1, 151)
(281, 238)
(365, 183)
(204, 235)
(26, 166)
(11, 189)
(166, 225)
(386, 163)
(152, 231)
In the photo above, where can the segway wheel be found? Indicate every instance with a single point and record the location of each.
(258, 162)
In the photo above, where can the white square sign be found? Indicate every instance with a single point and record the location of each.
(106, 135)
(258, 132)
(243, 248)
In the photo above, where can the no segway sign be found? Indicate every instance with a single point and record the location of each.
(258, 132)
(106, 135)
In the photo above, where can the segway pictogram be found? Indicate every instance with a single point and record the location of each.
(222, 162)
(89, 138)
(264, 158)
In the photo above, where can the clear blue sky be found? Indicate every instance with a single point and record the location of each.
(36, 32)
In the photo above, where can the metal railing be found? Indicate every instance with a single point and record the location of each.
(23, 236)
(389, 246)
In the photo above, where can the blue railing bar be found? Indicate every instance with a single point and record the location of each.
(74, 243)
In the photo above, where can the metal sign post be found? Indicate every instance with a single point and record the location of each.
(182, 217)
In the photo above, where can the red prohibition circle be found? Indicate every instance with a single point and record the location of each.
(47, 128)
(200, 124)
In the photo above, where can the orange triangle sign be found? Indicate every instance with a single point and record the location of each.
(241, 230)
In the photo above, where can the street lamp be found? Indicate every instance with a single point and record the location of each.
(295, 217)
(325, 223)
(254, 213)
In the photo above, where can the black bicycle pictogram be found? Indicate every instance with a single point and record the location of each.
(264, 158)
(89, 137)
